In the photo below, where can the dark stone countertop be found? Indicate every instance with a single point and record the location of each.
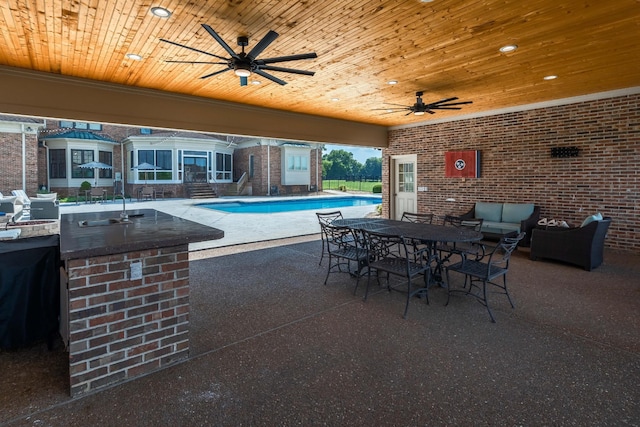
(151, 230)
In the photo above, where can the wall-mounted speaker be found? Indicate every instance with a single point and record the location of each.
(565, 151)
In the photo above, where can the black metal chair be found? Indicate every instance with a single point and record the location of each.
(485, 270)
(474, 250)
(398, 256)
(343, 249)
(325, 218)
(422, 218)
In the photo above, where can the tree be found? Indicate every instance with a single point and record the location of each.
(342, 164)
(372, 168)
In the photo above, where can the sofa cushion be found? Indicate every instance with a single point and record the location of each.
(48, 196)
(591, 218)
(516, 212)
(489, 211)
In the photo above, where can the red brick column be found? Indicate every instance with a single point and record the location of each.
(122, 328)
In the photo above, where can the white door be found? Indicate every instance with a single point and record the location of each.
(405, 196)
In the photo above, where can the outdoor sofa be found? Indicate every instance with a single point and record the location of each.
(500, 219)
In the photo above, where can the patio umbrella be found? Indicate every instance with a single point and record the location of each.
(145, 167)
(96, 166)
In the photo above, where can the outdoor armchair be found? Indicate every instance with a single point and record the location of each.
(581, 246)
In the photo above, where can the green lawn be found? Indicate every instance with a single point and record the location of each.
(335, 184)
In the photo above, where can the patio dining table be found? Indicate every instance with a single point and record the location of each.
(428, 234)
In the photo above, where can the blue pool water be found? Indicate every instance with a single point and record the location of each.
(283, 205)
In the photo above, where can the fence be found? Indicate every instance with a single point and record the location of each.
(364, 184)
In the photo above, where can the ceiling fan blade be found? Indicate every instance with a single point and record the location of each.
(449, 104)
(443, 101)
(287, 70)
(399, 105)
(222, 43)
(391, 110)
(270, 77)
(197, 62)
(262, 44)
(191, 48)
(435, 107)
(206, 76)
(310, 55)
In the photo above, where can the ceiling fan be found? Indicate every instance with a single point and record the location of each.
(243, 64)
(419, 108)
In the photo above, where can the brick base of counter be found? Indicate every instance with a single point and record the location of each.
(122, 328)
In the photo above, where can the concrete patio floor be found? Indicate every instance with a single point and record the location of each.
(271, 345)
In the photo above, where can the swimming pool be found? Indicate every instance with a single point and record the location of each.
(285, 205)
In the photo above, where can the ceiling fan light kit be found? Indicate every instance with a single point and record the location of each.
(244, 64)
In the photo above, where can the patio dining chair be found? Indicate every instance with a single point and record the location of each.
(325, 218)
(484, 271)
(422, 218)
(97, 194)
(475, 250)
(147, 193)
(344, 250)
(396, 255)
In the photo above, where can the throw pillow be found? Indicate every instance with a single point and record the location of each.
(591, 218)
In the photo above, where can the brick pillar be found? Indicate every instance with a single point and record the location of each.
(122, 328)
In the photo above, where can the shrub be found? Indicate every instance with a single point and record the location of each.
(376, 188)
(86, 185)
(342, 188)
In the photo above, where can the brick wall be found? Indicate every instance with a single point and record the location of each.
(122, 328)
(517, 165)
(11, 163)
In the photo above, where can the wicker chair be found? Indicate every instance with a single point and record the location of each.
(581, 246)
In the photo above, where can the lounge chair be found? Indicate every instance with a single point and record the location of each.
(45, 206)
(11, 205)
(26, 201)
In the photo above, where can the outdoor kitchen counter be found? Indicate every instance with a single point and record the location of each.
(152, 230)
(125, 294)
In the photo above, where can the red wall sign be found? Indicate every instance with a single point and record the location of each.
(462, 164)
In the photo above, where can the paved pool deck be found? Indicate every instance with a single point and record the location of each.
(238, 228)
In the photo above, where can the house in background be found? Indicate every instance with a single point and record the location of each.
(186, 163)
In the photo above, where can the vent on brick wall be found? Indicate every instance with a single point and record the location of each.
(564, 151)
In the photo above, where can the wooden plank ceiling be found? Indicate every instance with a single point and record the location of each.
(445, 48)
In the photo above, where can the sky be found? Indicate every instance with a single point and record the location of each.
(361, 154)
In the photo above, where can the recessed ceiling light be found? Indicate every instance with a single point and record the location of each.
(392, 82)
(335, 99)
(134, 56)
(508, 48)
(426, 1)
(161, 12)
(255, 82)
(552, 77)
